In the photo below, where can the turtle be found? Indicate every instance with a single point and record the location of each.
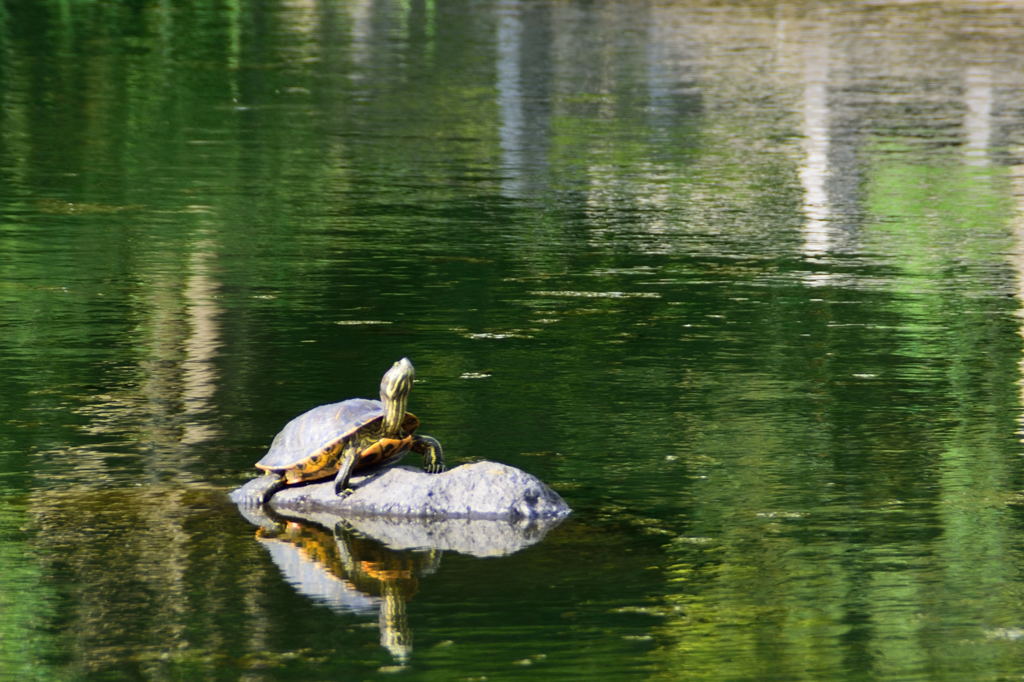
(340, 438)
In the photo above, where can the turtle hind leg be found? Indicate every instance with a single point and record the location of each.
(347, 463)
(259, 490)
(433, 454)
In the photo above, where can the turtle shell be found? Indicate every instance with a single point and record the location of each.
(309, 446)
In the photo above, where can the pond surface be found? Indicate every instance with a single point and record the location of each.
(741, 281)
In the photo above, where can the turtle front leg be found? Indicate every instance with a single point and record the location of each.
(433, 455)
(349, 456)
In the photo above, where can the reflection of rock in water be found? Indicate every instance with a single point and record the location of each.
(477, 537)
(349, 573)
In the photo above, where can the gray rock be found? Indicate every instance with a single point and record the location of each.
(483, 509)
(481, 490)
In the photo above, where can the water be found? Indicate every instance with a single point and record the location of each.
(740, 281)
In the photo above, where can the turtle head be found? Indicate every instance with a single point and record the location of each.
(394, 393)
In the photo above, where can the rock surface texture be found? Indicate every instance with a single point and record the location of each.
(481, 490)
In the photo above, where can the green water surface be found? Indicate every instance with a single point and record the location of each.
(739, 280)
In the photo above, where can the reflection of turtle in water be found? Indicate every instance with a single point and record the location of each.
(350, 573)
(340, 438)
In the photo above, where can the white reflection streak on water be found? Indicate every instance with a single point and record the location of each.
(978, 118)
(978, 127)
(510, 99)
(360, 15)
(978, 96)
(199, 374)
(1017, 260)
(814, 169)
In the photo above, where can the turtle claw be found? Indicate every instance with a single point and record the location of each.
(433, 454)
(258, 491)
(345, 493)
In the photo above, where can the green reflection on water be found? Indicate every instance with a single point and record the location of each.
(824, 565)
(28, 649)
